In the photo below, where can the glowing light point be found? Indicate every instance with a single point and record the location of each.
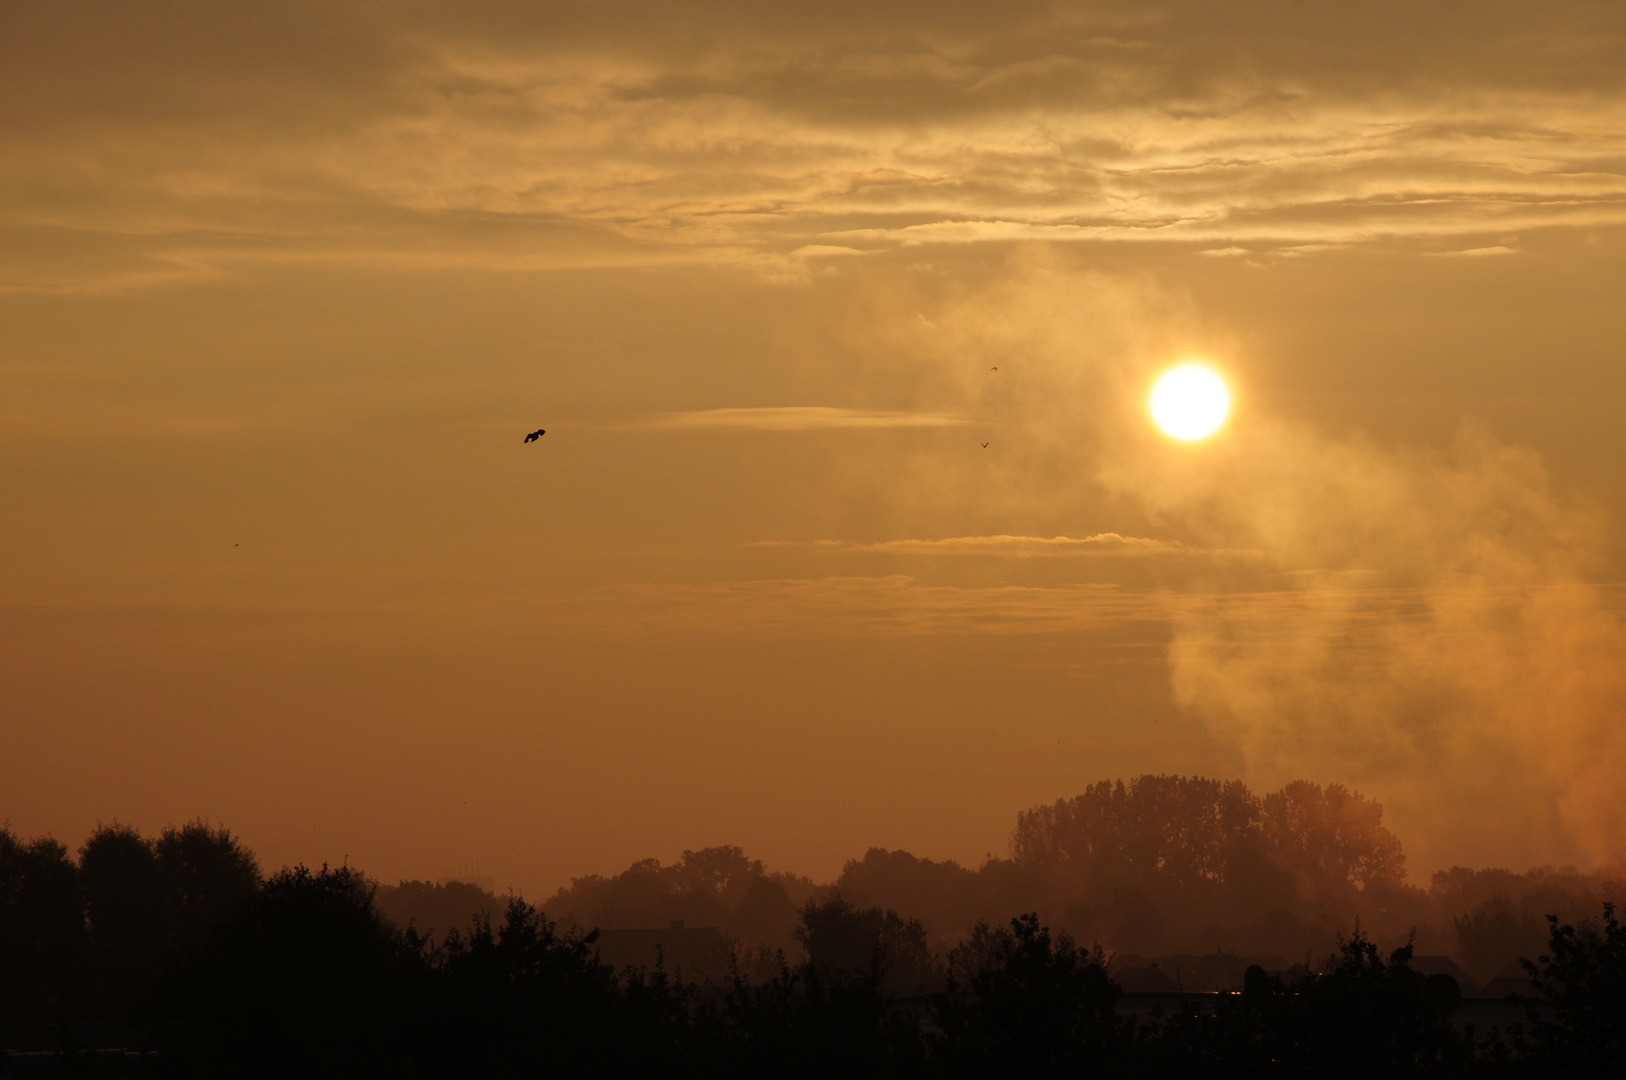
(1190, 402)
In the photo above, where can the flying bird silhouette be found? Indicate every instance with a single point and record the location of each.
(993, 369)
(985, 446)
(535, 435)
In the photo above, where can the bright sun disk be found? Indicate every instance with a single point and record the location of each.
(1190, 401)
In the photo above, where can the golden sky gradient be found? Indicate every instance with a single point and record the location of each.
(283, 287)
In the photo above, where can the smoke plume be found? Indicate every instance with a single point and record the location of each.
(1427, 623)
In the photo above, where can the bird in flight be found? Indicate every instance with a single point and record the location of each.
(985, 446)
(993, 369)
(535, 435)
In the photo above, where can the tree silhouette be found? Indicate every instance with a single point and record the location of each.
(42, 930)
(1333, 837)
(303, 973)
(724, 871)
(435, 910)
(1583, 974)
(128, 912)
(305, 978)
(844, 940)
(1021, 1003)
(811, 1022)
(520, 997)
(1368, 1016)
(1183, 827)
(209, 875)
(945, 896)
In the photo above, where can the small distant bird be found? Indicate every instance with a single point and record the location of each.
(535, 435)
(993, 369)
(985, 446)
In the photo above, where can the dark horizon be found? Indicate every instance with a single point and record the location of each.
(179, 956)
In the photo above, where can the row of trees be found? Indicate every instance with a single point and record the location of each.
(716, 886)
(1170, 863)
(1200, 834)
(88, 938)
(1154, 866)
(1137, 865)
(309, 979)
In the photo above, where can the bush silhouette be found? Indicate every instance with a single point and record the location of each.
(305, 979)
(1021, 1003)
(1583, 974)
(845, 940)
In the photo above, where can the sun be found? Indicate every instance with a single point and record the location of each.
(1190, 401)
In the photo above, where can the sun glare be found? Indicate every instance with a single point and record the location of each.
(1190, 401)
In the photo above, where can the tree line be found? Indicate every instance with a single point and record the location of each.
(1150, 867)
(903, 966)
(88, 939)
(308, 978)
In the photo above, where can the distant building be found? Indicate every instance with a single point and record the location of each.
(1512, 979)
(1444, 965)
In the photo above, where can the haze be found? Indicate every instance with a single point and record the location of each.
(282, 291)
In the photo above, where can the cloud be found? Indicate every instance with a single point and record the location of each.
(761, 137)
(1014, 547)
(814, 251)
(790, 608)
(837, 607)
(1479, 252)
(800, 418)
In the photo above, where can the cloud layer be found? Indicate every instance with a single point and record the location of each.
(165, 142)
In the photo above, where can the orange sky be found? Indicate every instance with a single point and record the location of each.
(281, 290)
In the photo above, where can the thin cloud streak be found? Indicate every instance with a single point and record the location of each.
(1017, 547)
(1277, 630)
(1356, 622)
(799, 418)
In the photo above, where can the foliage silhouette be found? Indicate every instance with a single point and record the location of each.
(129, 916)
(306, 978)
(436, 910)
(210, 876)
(1583, 975)
(842, 939)
(520, 995)
(42, 930)
(310, 973)
(812, 1022)
(1021, 1003)
(1366, 1016)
